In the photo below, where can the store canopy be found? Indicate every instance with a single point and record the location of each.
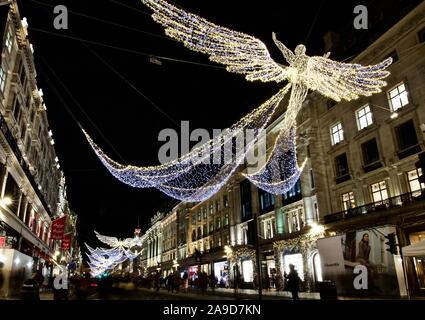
(414, 250)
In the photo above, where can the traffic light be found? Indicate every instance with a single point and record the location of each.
(392, 247)
(421, 165)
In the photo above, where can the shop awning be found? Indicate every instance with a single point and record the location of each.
(414, 250)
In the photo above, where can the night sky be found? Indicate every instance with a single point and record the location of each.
(79, 86)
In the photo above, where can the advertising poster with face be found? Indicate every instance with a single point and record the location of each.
(359, 264)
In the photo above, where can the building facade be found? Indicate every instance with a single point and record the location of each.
(359, 185)
(32, 188)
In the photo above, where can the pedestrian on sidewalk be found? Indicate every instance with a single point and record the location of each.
(186, 282)
(293, 282)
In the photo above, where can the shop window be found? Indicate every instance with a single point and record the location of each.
(295, 259)
(12, 191)
(248, 271)
(317, 267)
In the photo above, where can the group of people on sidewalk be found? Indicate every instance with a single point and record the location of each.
(174, 281)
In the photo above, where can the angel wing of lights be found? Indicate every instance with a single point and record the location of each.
(188, 178)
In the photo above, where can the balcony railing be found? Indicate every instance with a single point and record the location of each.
(394, 202)
(14, 146)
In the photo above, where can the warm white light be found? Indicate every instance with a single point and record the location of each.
(3, 258)
(17, 261)
(241, 53)
(316, 228)
(394, 115)
(24, 22)
(40, 92)
(7, 201)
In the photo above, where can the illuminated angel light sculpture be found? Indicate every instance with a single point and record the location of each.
(245, 54)
(101, 259)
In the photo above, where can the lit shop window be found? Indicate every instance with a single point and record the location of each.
(248, 271)
(364, 117)
(297, 261)
(397, 97)
(337, 134)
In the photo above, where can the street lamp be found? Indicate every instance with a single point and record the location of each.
(6, 201)
(393, 115)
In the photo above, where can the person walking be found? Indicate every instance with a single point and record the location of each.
(186, 282)
(293, 282)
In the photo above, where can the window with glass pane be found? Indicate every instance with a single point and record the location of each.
(397, 97)
(370, 152)
(2, 78)
(337, 134)
(199, 215)
(415, 186)
(341, 165)
(193, 218)
(226, 219)
(379, 191)
(225, 201)
(348, 201)
(211, 208)
(406, 135)
(9, 41)
(204, 212)
(364, 117)
(217, 223)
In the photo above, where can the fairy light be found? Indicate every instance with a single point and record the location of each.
(188, 178)
(192, 177)
(102, 259)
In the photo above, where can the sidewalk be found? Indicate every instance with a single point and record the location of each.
(231, 294)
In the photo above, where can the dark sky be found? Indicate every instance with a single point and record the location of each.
(75, 79)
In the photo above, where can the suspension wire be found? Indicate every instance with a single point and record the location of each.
(67, 108)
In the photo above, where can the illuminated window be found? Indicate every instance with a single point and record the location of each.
(348, 201)
(414, 184)
(297, 261)
(379, 191)
(337, 134)
(364, 117)
(248, 271)
(9, 41)
(2, 78)
(397, 97)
